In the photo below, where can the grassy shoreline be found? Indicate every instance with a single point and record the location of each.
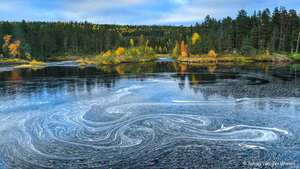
(235, 58)
(228, 58)
(68, 58)
(21, 63)
(12, 61)
(34, 64)
(203, 59)
(92, 61)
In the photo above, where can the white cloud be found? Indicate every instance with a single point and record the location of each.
(185, 14)
(132, 11)
(101, 5)
(103, 11)
(196, 10)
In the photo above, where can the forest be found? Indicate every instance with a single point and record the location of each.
(275, 30)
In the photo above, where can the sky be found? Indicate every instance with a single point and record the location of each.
(137, 12)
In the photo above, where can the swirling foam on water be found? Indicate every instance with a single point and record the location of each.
(103, 131)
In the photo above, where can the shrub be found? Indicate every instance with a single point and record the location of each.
(120, 51)
(107, 53)
(295, 56)
(212, 54)
(107, 58)
(36, 63)
(132, 54)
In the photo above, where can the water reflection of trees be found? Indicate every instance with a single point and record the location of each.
(198, 77)
(54, 80)
(239, 80)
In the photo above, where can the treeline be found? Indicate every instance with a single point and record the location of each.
(44, 39)
(277, 32)
(262, 31)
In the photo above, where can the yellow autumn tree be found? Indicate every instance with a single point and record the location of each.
(184, 50)
(7, 39)
(14, 48)
(11, 48)
(5, 47)
(120, 51)
(196, 38)
(212, 54)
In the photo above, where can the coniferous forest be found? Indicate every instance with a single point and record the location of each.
(275, 30)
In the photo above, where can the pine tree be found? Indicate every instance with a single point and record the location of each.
(298, 43)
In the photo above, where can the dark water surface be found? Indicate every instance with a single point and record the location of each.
(154, 115)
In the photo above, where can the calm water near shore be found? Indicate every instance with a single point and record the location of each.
(150, 115)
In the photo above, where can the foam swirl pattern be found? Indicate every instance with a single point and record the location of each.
(136, 124)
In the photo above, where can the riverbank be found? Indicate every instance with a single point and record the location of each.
(93, 61)
(14, 61)
(225, 58)
(68, 58)
(116, 60)
(34, 64)
(235, 58)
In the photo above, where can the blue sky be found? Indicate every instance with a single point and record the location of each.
(166, 12)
